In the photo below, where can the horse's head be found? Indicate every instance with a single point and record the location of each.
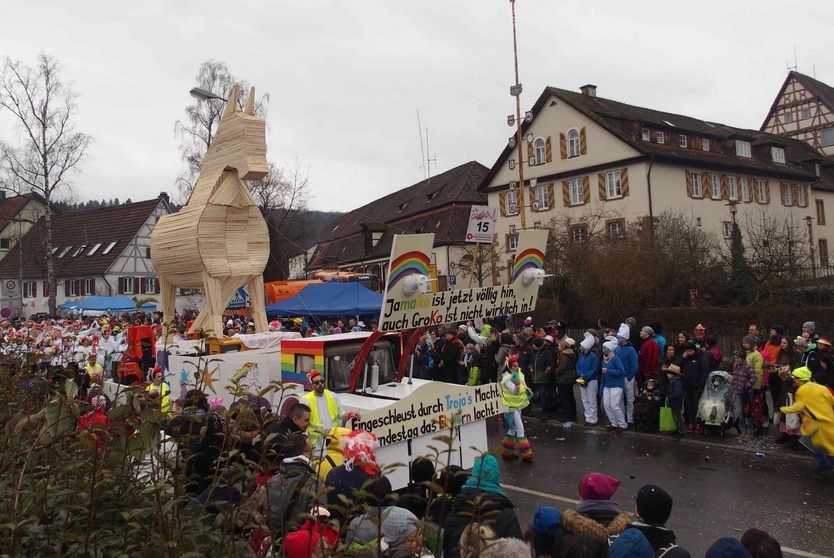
(240, 142)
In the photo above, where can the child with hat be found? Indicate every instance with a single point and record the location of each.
(653, 507)
(596, 515)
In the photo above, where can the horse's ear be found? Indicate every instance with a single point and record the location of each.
(250, 103)
(231, 105)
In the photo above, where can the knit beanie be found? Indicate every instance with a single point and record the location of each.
(588, 342)
(780, 330)
(727, 547)
(760, 544)
(810, 326)
(397, 525)
(486, 475)
(547, 519)
(654, 505)
(750, 340)
(631, 544)
(624, 332)
(597, 486)
(301, 544)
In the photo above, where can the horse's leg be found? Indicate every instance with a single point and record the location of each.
(168, 292)
(255, 286)
(213, 291)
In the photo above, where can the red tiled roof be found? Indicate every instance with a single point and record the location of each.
(11, 207)
(118, 224)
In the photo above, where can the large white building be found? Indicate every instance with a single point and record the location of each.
(598, 166)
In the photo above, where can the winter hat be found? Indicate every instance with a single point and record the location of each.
(727, 547)
(486, 475)
(810, 326)
(803, 374)
(512, 359)
(654, 504)
(547, 519)
(301, 544)
(597, 486)
(588, 343)
(548, 338)
(740, 353)
(631, 320)
(631, 544)
(780, 330)
(570, 341)
(422, 469)
(397, 525)
(528, 320)
(624, 332)
(760, 544)
(610, 345)
(750, 340)
(648, 330)
(315, 375)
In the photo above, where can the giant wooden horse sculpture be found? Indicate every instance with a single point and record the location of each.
(219, 241)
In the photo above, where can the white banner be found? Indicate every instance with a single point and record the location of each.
(482, 219)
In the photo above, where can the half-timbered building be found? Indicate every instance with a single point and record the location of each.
(803, 110)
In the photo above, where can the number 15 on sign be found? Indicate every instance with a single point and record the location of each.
(482, 220)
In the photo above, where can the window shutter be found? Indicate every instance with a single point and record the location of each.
(156, 286)
(531, 195)
(583, 143)
(624, 181)
(548, 150)
(725, 194)
(602, 193)
(136, 282)
(551, 195)
(66, 288)
(586, 189)
(794, 188)
(706, 185)
(143, 286)
(529, 150)
(767, 191)
(563, 146)
(93, 286)
(121, 288)
(749, 188)
(688, 183)
(807, 194)
(502, 203)
(566, 193)
(77, 287)
(34, 289)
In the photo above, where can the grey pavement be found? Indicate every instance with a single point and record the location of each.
(720, 488)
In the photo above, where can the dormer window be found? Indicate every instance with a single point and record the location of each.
(743, 148)
(65, 251)
(660, 137)
(646, 134)
(777, 154)
(431, 196)
(683, 141)
(402, 206)
(109, 247)
(705, 145)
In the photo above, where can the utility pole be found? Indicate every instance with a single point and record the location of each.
(808, 220)
(515, 91)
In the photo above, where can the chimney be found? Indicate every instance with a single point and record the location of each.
(164, 196)
(2, 195)
(589, 90)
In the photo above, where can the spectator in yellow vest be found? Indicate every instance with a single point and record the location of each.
(159, 392)
(93, 369)
(325, 411)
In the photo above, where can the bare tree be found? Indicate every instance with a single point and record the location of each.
(478, 261)
(44, 110)
(282, 196)
(202, 117)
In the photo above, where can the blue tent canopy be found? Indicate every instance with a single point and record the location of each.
(329, 299)
(104, 304)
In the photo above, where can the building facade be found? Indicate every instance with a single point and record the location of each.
(597, 166)
(804, 110)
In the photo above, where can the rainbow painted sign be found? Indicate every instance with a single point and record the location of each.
(402, 308)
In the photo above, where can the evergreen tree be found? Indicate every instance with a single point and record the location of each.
(741, 286)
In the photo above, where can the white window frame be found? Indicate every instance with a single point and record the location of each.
(827, 136)
(704, 144)
(512, 202)
(745, 189)
(65, 251)
(127, 285)
(150, 285)
(646, 134)
(29, 289)
(727, 229)
(94, 249)
(87, 287)
(582, 231)
(79, 250)
(619, 225)
(541, 196)
(613, 185)
(787, 193)
(576, 191)
(683, 141)
(761, 191)
(109, 247)
(73, 288)
(732, 188)
(777, 154)
(743, 149)
(573, 143)
(660, 137)
(539, 151)
(697, 186)
(512, 243)
(801, 196)
(715, 186)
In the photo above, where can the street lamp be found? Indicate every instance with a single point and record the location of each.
(515, 91)
(204, 95)
(733, 210)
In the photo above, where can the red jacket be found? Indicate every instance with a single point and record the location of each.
(647, 360)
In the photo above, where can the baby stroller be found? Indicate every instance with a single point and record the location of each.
(715, 408)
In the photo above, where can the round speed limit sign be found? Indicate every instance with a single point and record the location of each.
(10, 285)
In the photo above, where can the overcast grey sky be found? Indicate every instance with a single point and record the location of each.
(346, 77)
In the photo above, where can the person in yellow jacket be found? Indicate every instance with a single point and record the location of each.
(93, 369)
(515, 395)
(815, 403)
(159, 392)
(325, 411)
(333, 456)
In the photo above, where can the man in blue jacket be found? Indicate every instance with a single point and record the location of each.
(628, 356)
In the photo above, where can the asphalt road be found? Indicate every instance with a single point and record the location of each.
(718, 490)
